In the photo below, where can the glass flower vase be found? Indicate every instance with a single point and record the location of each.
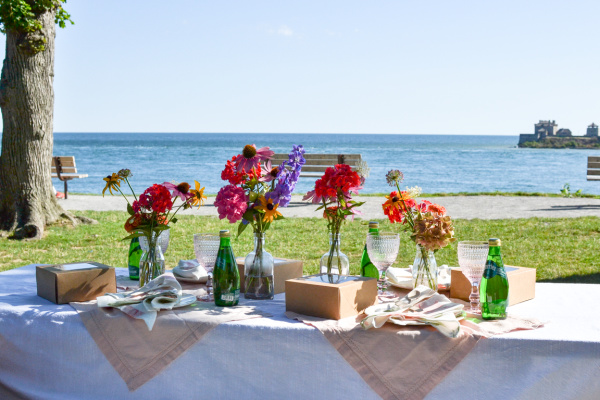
(424, 269)
(334, 261)
(258, 271)
(152, 261)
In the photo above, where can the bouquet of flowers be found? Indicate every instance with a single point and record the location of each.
(255, 192)
(253, 196)
(334, 190)
(431, 229)
(151, 213)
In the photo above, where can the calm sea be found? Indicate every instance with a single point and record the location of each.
(437, 163)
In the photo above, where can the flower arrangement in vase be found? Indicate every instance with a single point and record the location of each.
(151, 213)
(334, 192)
(253, 196)
(431, 229)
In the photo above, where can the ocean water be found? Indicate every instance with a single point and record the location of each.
(437, 163)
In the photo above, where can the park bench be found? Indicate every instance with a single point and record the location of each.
(593, 171)
(65, 170)
(316, 164)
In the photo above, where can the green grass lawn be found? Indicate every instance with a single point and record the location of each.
(562, 250)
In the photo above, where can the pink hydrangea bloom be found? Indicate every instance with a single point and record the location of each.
(231, 203)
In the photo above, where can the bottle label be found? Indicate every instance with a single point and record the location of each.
(231, 296)
(492, 269)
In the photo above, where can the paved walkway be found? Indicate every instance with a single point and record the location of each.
(459, 207)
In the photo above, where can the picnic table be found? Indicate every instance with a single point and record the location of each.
(47, 353)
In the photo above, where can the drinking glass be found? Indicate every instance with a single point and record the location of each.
(472, 256)
(206, 247)
(382, 248)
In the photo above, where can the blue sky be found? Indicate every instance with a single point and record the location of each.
(432, 67)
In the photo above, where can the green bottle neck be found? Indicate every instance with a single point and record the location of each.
(225, 242)
(494, 251)
(373, 230)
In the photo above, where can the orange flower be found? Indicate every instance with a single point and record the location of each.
(394, 200)
(437, 209)
(132, 223)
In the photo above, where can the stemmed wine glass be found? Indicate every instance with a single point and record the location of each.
(472, 256)
(382, 248)
(206, 247)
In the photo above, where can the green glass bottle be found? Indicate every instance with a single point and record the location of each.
(366, 266)
(226, 276)
(494, 284)
(133, 261)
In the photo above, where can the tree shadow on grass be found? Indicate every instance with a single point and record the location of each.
(590, 278)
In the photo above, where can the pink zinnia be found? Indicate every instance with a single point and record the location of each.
(182, 190)
(251, 157)
(231, 203)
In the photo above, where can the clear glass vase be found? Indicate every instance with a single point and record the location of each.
(258, 271)
(152, 261)
(334, 261)
(424, 269)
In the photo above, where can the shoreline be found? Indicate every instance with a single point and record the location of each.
(458, 207)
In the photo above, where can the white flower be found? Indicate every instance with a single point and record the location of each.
(414, 191)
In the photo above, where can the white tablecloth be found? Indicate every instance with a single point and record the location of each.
(47, 353)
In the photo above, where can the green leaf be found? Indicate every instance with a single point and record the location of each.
(160, 228)
(130, 209)
(241, 228)
(249, 215)
(133, 235)
(174, 220)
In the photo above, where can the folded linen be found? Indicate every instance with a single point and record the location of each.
(162, 293)
(191, 271)
(422, 306)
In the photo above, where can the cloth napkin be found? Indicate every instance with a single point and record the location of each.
(191, 271)
(161, 293)
(421, 306)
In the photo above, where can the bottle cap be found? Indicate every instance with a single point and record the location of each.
(373, 224)
(494, 242)
(224, 233)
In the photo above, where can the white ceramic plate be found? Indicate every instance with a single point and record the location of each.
(185, 300)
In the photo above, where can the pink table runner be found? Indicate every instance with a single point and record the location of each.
(137, 354)
(406, 362)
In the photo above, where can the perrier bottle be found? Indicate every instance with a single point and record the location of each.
(494, 285)
(226, 277)
(133, 261)
(366, 266)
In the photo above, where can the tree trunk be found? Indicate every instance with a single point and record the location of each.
(27, 200)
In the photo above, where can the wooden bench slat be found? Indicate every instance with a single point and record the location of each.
(593, 159)
(314, 162)
(65, 170)
(65, 161)
(70, 176)
(593, 178)
(593, 165)
(593, 172)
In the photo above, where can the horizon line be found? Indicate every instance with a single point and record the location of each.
(292, 133)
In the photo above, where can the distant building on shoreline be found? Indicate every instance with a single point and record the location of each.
(545, 131)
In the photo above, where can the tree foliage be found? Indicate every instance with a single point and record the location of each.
(22, 16)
